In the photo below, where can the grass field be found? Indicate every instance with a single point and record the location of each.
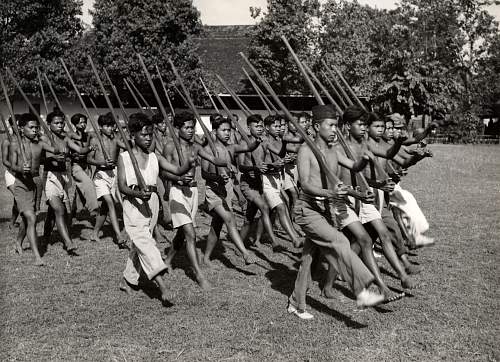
(72, 309)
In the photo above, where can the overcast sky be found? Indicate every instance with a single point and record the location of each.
(236, 12)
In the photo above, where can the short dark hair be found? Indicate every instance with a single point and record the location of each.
(157, 118)
(215, 117)
(269, 120)
(254, 118)
(55, 113)
(219, 121)
(75, 119)
(353, 113)
(183, 117)
(372, 117)
(138, 121)
(105, 120)
(25, 118)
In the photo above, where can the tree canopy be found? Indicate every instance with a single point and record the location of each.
(36, 33)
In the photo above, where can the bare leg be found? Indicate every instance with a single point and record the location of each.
(113, 217)
(100, 219)
(379, 227)
(30, 218)
(21, 234)
(212, 238)
(177, 243)
(48, 224)
(15, 210)
(287, 224)
(190, 236)
(266, 221)
(60, 214)
(358, 236)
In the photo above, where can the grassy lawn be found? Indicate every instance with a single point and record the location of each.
(72, 309)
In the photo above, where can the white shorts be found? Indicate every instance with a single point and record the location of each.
(272, 185)
(57, 185)
(105, 183)
(345, 215)
(9, 179)
(183, 205)
(368, 213)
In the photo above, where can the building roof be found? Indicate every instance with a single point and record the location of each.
(219, 49)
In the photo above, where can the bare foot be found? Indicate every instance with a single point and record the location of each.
(169, 269)
(413, 269)
(249, 259)
(203, 283)
(125, 287)
(71, 250)
(298, 242)
(408, 283)
(208, 263)
(164, 300)
(39, 262)
(277, 248)
(18, 249)
(328, 292)
(94, 236)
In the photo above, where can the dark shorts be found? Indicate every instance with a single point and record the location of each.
(24, 194)
(251, 187)
(217, 194)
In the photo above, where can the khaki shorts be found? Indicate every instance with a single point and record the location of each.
(183, 205)
(272, 185)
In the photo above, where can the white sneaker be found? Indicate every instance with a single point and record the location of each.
(423, 240)
(368, 299)
(301, 314)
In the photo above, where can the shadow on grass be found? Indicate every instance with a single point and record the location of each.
(283, 279)
(218, 254)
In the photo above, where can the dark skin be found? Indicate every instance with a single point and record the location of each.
(82, 139)
(106, 203)
(313, 180)
(143, 140)
(25, 170)
(275, 145)
(6, 144)
(252, 164)
(212, 174)
(187, 232)
(57, 212)
(291, 159)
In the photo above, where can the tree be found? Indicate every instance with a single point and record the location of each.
(157, 29)
(433, 53)
(296, 20)
(347, 40)
(37, 33)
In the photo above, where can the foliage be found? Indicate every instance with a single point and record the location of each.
(158, 30)
(36, 33)
(295, 20)
(347, 41)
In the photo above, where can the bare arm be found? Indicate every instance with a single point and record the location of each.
(5, 153)
(176, 170)
(244, 147)
(210, 158)
(124, 188)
